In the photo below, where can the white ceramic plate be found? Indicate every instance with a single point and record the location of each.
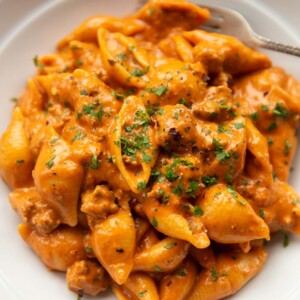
(30, 27)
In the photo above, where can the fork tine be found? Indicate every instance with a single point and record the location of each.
(214, 22)
(213, 11)
(210, 28)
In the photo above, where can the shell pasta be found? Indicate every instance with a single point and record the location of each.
(152, 157)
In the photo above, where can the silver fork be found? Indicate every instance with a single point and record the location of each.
(227, 21)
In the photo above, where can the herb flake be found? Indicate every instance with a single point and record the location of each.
(158, 91)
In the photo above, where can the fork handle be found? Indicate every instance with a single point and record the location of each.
(276, 46)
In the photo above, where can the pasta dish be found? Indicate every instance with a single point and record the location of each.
(152, 157)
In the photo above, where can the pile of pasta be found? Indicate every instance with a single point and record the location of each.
(153, 157)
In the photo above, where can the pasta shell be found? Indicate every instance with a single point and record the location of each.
(114, 242)
(164, 256)
(16, 161)
(59, 249)
(58, 177)
(231, 273)
(142, 286)
(170, 222)
(178, 284)
(229, 218)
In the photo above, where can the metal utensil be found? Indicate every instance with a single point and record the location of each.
(228, 21)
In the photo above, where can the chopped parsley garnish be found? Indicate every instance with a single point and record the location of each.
(154, 222)
(264, 107)
(20, 161)
(214, 274)
(136, 142)
(156, 175)
(209, 180)
(223, 105)
(178, 190)
(182, 101)
(239, 125)
(142, 118)
(88, 249)
(14, 99)
(67, 104)
(79, 63)
(78, 136)
(166, 199)
(122, 56)
(285, 237)
(117, 95)
(131, 48)
(241, 201)
(261, 213)
(94, 162)
(141, 185)
(131, 146)
(181, 272)
(254, 116)
(50, 162)
(235, 155)
(183, 162)
(192, 188)
(129, 92)
(146, 158)
(228, 177)
(37, 63)
(84, 93)
(287, 147)
(138, 72)
(170, 174)
(170, 245)
(272, 126)
(156, 268)
(220, 153)
(110, 159)
(142, 293)
(35, 60)
(54, 140)
(160, 193)
(198, 211)
(280, 112)
(94, 110)
(222, 129)
(158, 91)
(270, 141)
(232, 191)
